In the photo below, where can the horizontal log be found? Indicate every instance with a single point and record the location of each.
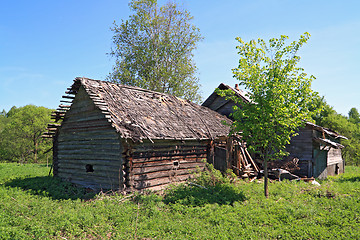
(99, 171)
(159, 160)
(46, 136)
(160, 174)
(143, 170)
(64, 101)
(86, 124)
(167, 147)
(147, 145)
(54, 124)
(93, 135)
(58, 114)
(87, 129)
(100, 162)
(65, 155)
(166, 162)
(168, 154)
(69, 97)
(159, 181)
(93, 145)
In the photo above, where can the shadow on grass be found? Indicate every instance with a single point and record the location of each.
(198, 196)
(50, 187)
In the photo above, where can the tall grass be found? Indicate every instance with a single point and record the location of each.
(35, 206)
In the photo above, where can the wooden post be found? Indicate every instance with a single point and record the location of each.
(229, 152)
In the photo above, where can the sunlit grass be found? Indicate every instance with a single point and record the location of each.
(35, 206)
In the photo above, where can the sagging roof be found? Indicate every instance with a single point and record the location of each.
(325, 130)
(139, 114)
(328, 142)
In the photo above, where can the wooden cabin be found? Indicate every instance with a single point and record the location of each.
(111, 136)
(317, 148)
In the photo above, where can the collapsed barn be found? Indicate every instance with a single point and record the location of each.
(111, 136)
(317, 149)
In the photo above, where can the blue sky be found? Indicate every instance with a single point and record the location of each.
(44, 45)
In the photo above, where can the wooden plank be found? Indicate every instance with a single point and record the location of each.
(160, 143)
(99, 168)
(100, 157)
(168, 147)
(252, 161)
(165, 167)
(168, 154)
(91, 145)
(165, 161)
(111, 163)
(161, 174)
(69, 97)
(159, 181)
(87, 136)
(196, 158)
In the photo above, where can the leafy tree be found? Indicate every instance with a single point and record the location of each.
(280, 96)
(20, 137)
(348, 127)
(354, 115)
(154, 49)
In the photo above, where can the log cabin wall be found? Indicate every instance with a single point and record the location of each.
(88, 147)
(121, 137)
(301, 147)
(154, 165)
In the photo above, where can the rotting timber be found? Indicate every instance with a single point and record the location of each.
(111, 136)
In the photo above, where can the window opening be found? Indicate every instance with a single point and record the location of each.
(89, 168)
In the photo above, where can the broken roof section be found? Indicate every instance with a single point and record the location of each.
(139, 114)
(325, 130)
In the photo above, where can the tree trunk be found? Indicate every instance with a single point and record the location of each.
(266, 189)
(35, 151)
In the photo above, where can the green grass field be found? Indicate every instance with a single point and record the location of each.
(35, 206)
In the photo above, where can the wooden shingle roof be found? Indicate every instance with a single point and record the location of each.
(139, 114)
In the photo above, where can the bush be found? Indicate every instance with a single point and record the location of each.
(207, 187)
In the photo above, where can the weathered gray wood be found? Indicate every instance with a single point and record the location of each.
(334, 156)
(71, 145)
(161, 174)
(108, 166)
(84, 151)
(143, 170)
(108, 163)
(99, 157)
(159, 181)
(180, 160)
(82, 142)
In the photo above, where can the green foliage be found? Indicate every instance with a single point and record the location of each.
(354, 116)
(295, 210)
(20, 134)
(208, 187)
(154, 49)
(280, 94)
(349, 127)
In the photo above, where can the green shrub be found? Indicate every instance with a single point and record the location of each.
(207, 187)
